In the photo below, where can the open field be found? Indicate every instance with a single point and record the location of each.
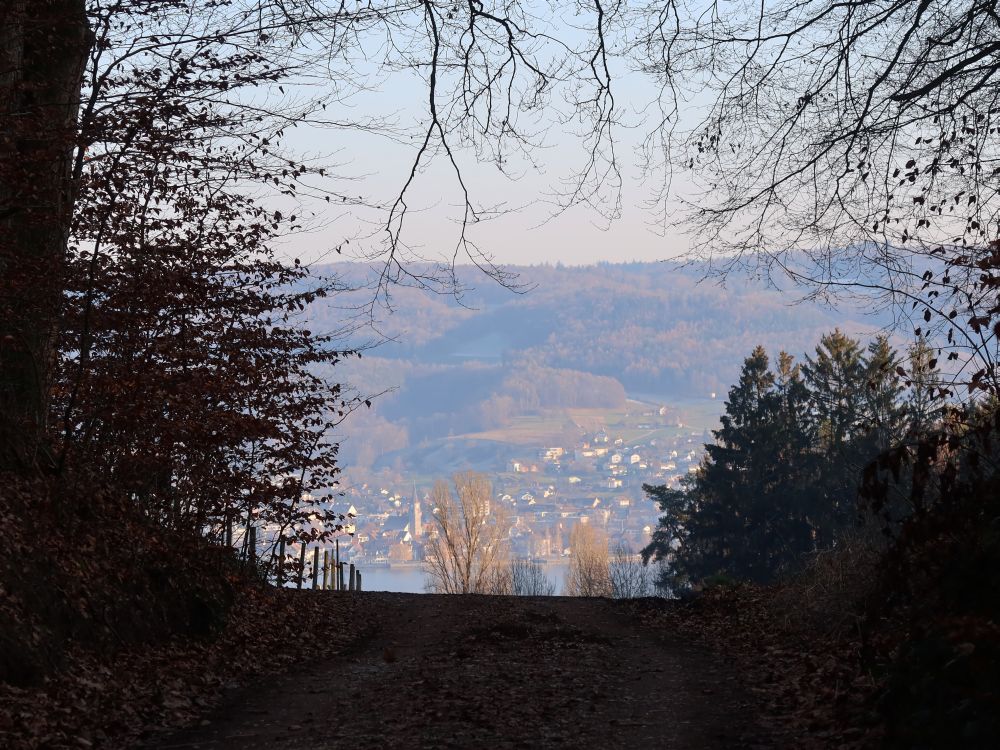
(530, 430)
(632, 424)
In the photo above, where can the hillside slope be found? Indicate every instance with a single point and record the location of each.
(656, 327)
(578, 337)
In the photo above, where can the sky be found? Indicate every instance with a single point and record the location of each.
(529, 227)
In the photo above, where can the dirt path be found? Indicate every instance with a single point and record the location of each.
(489, 672)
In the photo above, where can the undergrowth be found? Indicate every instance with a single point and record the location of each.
(113, 627)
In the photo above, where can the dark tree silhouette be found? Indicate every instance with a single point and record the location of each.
(43, 49)
(781, 480)
(487, 71)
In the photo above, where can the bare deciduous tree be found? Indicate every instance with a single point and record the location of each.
(833, 124)
(528, 579)
(470, 545)
(630, 578)
(588, 573)
(851, 147)
(521, 578)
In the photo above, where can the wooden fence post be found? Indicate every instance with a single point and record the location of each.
(352, 581)
(340, 576)
(326, 569)
(357, 585)
(302, 563)
(281, 562)
(315, 570)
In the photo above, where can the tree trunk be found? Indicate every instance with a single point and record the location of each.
(43, 52)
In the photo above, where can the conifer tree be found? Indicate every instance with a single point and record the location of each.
(733, 473)
(834, 379)
(745, 514)
(795, 458)
(885, 413)
(923, 408)
(781, 479)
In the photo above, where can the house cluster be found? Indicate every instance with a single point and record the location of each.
(386, 527)
(598, 481)
(614, 463)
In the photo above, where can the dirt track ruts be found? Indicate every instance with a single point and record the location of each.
(488, 672)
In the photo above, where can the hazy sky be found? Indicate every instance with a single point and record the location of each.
(529, 228)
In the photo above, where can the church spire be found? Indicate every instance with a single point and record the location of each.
(416, 529)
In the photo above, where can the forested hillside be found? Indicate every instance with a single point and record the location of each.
(570, 337)
(656, 327)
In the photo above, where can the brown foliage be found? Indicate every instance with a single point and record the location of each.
(931, 625)
(112, 626)
(185, 376)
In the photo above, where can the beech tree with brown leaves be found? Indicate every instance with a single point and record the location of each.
(186, 379)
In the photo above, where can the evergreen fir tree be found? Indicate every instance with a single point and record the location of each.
(795, 439)
(923, 407)
(732, 478)
(834, 379)
(885, 413)
(781, 479)
(836, 382)
(745, 513)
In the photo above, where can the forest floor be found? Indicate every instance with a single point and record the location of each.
(433, 671)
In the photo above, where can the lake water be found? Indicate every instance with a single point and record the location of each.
(412, 580)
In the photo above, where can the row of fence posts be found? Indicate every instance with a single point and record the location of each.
(332, 569)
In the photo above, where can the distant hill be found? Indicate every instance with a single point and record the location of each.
(580, 338)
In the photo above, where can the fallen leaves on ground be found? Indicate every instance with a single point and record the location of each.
(97, 702)
(810, 690)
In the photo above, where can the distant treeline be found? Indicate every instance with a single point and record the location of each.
(654, 327)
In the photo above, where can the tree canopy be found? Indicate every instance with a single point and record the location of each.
(782, 479)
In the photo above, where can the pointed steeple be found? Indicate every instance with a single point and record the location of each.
(415, 528)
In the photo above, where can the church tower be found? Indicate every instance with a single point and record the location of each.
(415, 528)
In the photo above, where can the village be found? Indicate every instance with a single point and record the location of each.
(546, 491)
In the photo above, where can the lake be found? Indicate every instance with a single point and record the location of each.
(412, 580)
